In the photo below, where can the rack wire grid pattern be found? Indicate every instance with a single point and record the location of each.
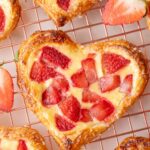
(86, 29)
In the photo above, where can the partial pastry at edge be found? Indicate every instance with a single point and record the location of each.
(134, 143)
(63, 11)
(10, 11)
(21, 138)
(78, 91)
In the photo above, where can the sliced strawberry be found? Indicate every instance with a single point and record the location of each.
(22, 145)
(64, 4)
(51, 96)
(61, 84)
(90, 70)
(108, 83)
(90, 97)
(112, 62)
(40, 72)
(70, 108)
(124, 11)
(6, 91)
(85, 115)
(2, 20)
(102, 110)
(91, 55)
(79, 79)
(51, 55)
(62, 124)
(126, 86)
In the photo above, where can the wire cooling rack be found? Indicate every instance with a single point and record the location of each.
(86, 29)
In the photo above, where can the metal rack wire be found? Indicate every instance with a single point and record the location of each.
(86, 29)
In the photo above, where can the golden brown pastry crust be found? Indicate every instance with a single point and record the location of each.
(135, 143)
(23, 133)
(13, 20)
(61, 17)
(41, 37)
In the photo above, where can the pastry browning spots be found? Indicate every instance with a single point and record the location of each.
(9, 16)
(135, 143)
(20, 138)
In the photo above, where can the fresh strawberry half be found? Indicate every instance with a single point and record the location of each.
(41, 72)
(90, 70)
(124, 11)
(102, 110)
(62, 124)
(112, 62)
(61, 84)
(108, 83)
(22, 145)
(2, 20)
(79, 79)
(70, 108)
(64, 4)
(90, 97)
(126, 86)
(6, 91)
(51, 56)
(51, 96)
(85, 115)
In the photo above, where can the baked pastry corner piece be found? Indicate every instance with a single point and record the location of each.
(9, 17)
(20, 138)
(62, 11)
(78, 91)
(135, 143)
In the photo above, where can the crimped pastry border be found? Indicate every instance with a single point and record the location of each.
(60, 16)
(127, 142)
(24, 133)
(14, 19)
(87, 135)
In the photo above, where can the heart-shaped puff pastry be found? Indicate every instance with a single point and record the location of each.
(21, 138)
(10, 11)
(134, 143)
(62, 11)
(78, 91)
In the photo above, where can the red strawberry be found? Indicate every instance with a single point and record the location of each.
(6, 91)
(102, 110)
(108, 83)
(22, 145)
(112, 62)
(79, 79)
(61, 84)
(40, 72)
(124, 11)
(85, 115)
(2, 20)
(91, 55)
(90, 69)
(51, 96)
(52, 56)
(126, 86)
(70, 108)
(90, 97)
(64, 4)
(62, 124)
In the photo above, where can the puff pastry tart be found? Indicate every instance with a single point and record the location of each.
(61, 11)
(135, 143)
(20, 138)
(79, 91)
(9, 17)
